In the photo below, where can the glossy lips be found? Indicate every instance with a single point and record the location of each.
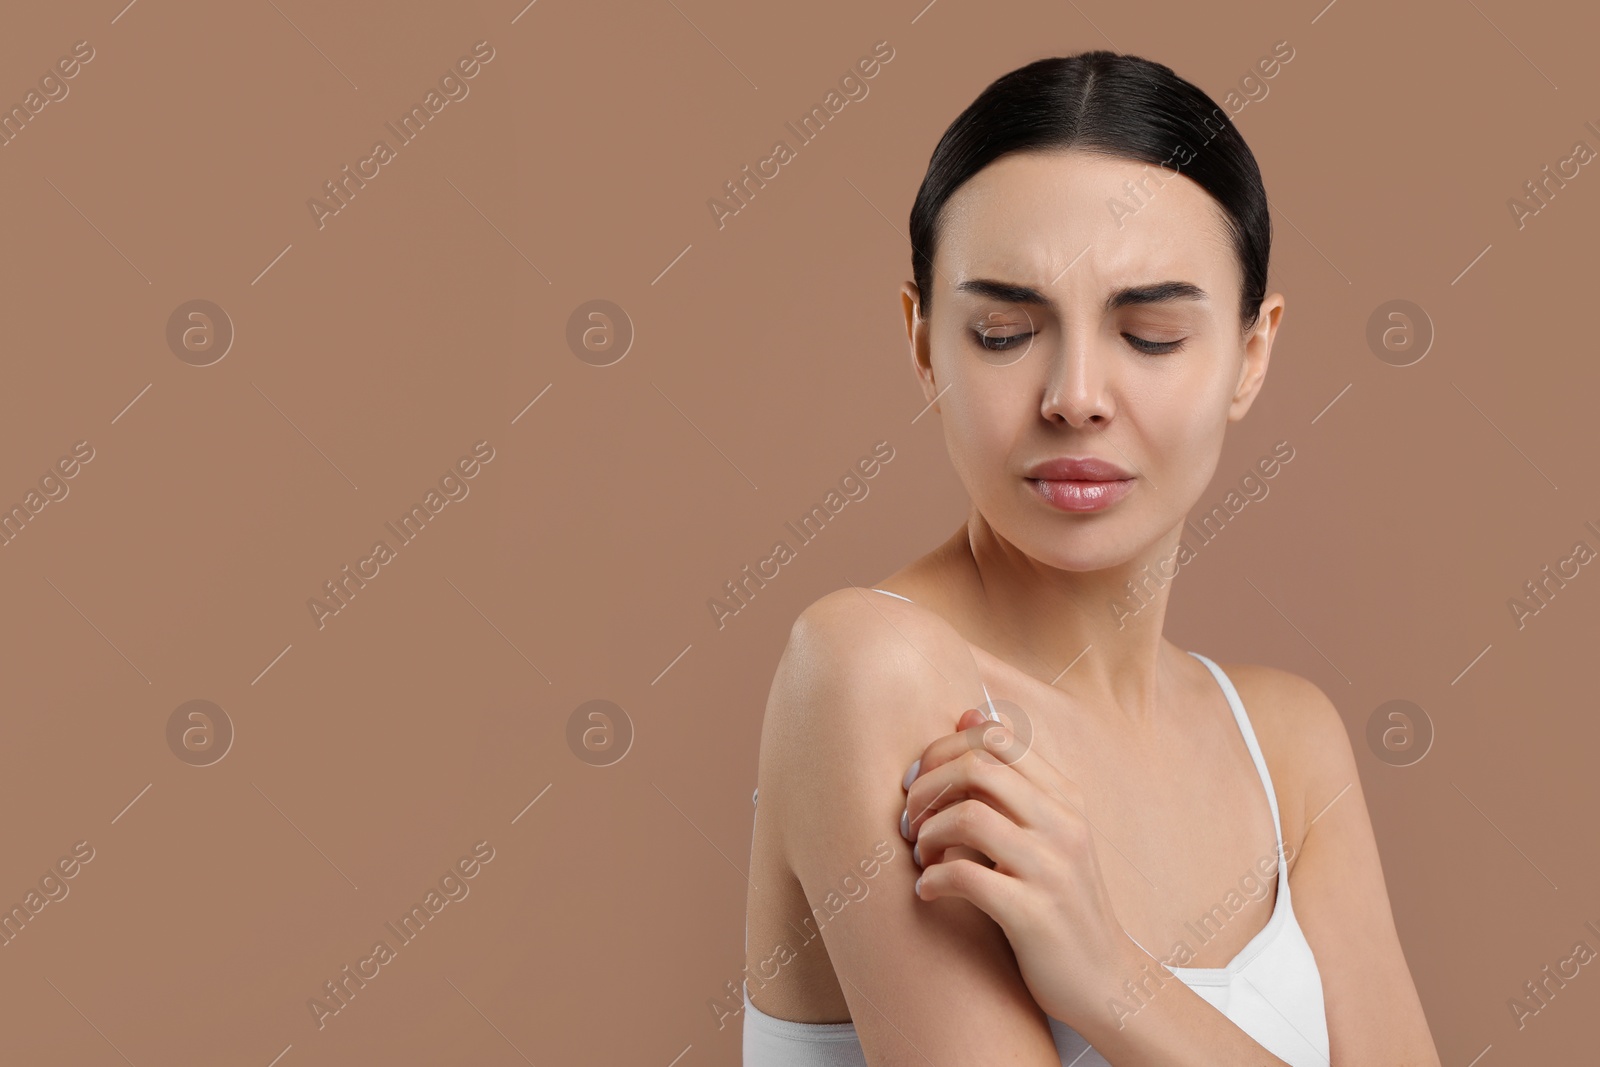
(1079, 484)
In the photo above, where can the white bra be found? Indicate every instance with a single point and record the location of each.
(1272, 989)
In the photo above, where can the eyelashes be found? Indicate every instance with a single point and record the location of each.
(1006, 342)
(1154, 348)
(1001, 342)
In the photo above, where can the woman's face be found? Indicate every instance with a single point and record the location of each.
(1057, 332)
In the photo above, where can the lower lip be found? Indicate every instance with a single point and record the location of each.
(1081, 496)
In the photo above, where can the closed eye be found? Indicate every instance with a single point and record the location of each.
(1001, 342)
(996, 342)
(1154, 348)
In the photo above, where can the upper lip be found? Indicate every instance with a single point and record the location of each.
(1077, 469)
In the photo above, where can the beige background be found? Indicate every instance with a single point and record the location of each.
(370, 354)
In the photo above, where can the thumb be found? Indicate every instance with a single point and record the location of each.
(970, 718)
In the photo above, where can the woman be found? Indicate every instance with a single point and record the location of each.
(1088, 313)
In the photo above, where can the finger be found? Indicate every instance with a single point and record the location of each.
(972, 824)
(973, 775)
(955, 852)
(1009, 740)
(996, 743)
(945, 746)
(973, 730)
(990, 891)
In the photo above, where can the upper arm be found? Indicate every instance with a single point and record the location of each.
(1342, 903)
(860, 692)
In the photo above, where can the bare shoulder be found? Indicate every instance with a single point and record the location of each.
(865, 684)
(875, 645)
(897, 633)
(1341, 899)
(1292, 715)
(1304, 741)
(864, 678)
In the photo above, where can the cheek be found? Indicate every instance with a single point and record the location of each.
(982, 420)
(1182, 424)
(977, 434)
(1189, 430)
(968, 390)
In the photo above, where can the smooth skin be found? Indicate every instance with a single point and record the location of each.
(1163, 808)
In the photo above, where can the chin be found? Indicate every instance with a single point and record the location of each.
(1077, 547)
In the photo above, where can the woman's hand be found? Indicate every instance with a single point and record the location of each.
(980, 789)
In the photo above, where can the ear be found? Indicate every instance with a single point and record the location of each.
(917, 334)
(1257, 354)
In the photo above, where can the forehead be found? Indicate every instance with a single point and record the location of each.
(1028, 215)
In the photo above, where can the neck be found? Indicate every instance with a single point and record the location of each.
(1091, 633)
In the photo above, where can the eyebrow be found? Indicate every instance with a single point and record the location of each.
(1128, 296)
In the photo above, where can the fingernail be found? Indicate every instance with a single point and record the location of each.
(911, 774)
(918, 887)
(916, 854)
(905, 826)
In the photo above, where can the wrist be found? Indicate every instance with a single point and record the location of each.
(1127, 986)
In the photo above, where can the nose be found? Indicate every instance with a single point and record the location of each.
(1078, 389)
